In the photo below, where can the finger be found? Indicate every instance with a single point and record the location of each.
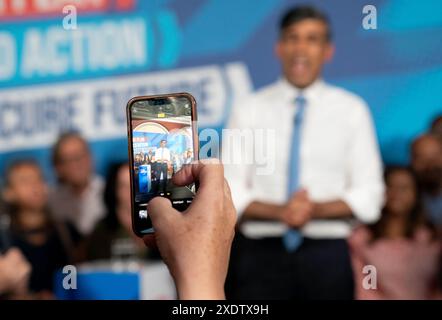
(227, 191)
(228, 203)
(298, 222)
(297, 218)
(161, 212)
(208, 172)
(14, 255)
(301, 194)
(303, 208)
(149, 241)
(297, 196)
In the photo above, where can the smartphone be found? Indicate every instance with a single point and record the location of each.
(162, 138)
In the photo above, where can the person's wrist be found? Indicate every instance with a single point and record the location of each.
(6, 282)
(199, 288)
(316, 210)
(281, 212)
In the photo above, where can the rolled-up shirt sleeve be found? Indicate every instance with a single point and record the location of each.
(365, 192)
(241, 195)
(236, 170)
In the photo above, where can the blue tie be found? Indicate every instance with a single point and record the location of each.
(292, 238)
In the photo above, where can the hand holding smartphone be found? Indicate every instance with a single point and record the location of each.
(196, 246)
(162, 138)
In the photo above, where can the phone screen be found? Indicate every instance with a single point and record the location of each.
(162, 137)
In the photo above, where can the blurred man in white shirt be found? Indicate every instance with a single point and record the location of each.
(162, 157)
(338, 178)
(78, 196)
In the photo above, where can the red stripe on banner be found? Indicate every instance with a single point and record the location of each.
(124, 5)
(13, 9)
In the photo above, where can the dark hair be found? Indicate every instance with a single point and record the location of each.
(299, 13)
(416, 141)
(61, 140)
(416, 218)
(110, 197)
(11, 167)
(12, 209)
(436, 122)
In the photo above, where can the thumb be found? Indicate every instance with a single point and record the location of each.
(302, 193)
(161, 213)
(14, 255)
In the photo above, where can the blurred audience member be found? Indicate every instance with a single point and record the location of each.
(32, 229)
(426, 161)
(14, 275)
(402, 246)
(78, 197)
(113, 236)
(188, 156)
(138, 159)
(436, 127)
(149, 157)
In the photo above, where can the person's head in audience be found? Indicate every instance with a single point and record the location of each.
(137, 158)
(72, 160)
(403, 212)
(116, 227)
(304, 45)
(117, 197)
(26, 196)
(32, 228)
(426, 160)
(436, 127)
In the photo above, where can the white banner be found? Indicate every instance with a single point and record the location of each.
(33, 117)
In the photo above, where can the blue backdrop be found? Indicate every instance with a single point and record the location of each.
(53, 79)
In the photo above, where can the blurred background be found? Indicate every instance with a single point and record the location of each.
(56, 77)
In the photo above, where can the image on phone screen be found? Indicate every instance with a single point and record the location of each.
(162, 143)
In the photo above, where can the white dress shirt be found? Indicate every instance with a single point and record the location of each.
(339, 156)
(83, 211)
(162, 154)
